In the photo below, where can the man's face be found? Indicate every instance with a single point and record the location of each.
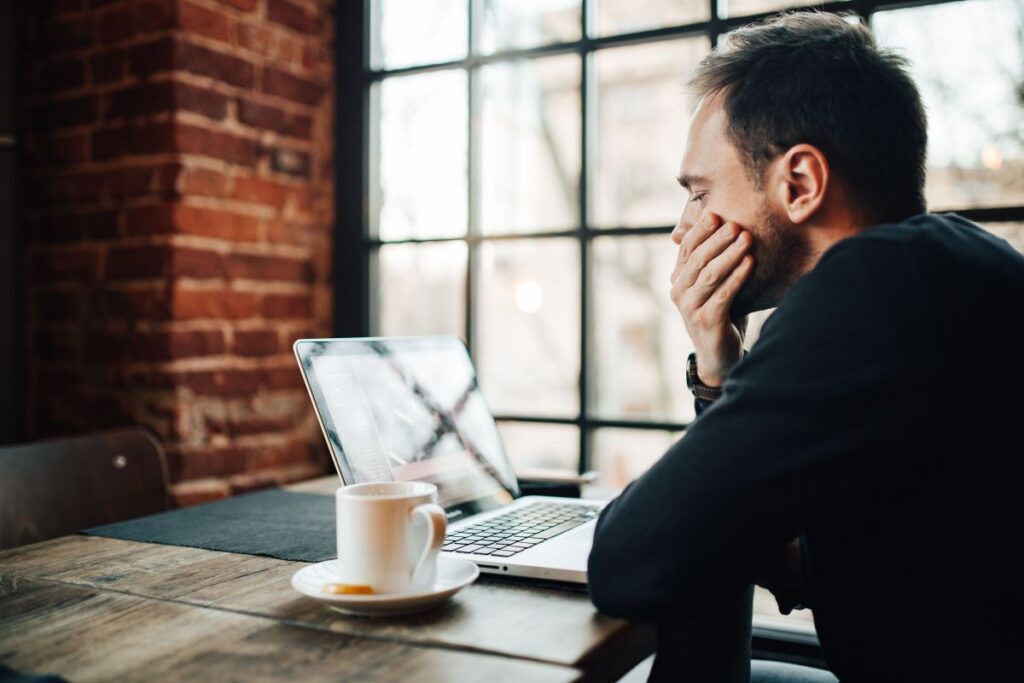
(719, 183)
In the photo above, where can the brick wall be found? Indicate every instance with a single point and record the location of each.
(177, 227)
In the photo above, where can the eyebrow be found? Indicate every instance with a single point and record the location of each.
(687, 180)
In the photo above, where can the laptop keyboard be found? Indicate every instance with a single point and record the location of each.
(512, 533)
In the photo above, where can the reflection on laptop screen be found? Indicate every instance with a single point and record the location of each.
(408, 409)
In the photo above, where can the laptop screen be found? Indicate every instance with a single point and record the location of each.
(408, 409)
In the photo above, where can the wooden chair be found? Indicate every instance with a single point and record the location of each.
(57, 487)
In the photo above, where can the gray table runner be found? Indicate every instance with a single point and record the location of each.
(275, 523)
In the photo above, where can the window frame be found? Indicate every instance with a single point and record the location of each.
(355, 249)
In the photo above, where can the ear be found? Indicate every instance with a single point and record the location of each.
(802, 180)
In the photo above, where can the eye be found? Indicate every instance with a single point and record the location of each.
(699, 198)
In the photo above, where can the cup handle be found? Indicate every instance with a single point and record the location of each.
(437, 527)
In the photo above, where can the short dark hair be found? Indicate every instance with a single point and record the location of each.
(816, 78)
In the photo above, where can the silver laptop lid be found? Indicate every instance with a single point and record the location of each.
(408, 408)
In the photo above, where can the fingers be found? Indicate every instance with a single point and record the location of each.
(719, 241)
(694, 237)
(718, 304)
(717, 269)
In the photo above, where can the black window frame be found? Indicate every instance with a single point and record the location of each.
(355, 248)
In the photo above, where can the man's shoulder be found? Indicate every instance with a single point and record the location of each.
(922, 239)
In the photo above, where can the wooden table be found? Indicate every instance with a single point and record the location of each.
(90, 608)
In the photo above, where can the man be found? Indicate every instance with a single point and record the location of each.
(863, 457)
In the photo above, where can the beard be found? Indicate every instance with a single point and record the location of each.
(780, 253)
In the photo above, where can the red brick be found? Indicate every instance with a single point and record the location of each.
(288, 306)
(222, 382)
(147, 98)
(63, 74)
(203, 182)
(209, 103)
(139, 181)
(244, 5)
(77, 225)
(255, 424)
(114, 25)
(209, 23)
(272, 268)
(194, 220)
(261, 191)
(193, 343)
(196, 462)
(291, 15)
(76, 187)
(62, 149)
(109, 143)
(198, 263)
(108, 67)
(190, 139)
(153, 57)
(254, 37)
(73, 111)
(255, 343)
(192, 304)
(149, 303)
(282, 378)
(158, 346)
(265, 117)
(153, 16)
(79, 263)
(129, 263)
(152, 137)
(217, 65)
(279, 232)
(198, 491)
(60, 304)
(291, 87)
(278, 476)
(273, 455)
(157, 219)
(166, 96)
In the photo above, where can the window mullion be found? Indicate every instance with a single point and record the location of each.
(586, 112)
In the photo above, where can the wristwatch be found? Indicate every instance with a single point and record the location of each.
(700, 390)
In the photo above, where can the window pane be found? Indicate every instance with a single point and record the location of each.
(419, 32)
(513, 24)
(968, 63)
(640, 343)
(642, 115)
(422, 169)
(1011, 232)
(541, 445)
(528, 326)
(743, 8)
(626, 16)
(622, 455)
(530, 145)
(422, 289)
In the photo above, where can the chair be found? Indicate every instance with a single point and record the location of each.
(57, 487)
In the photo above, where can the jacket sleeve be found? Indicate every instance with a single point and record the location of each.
(796, 432)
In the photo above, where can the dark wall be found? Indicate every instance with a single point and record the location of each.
(11, 413)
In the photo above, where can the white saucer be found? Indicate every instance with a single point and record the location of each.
(453, 573)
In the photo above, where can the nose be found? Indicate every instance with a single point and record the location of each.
(683, 225)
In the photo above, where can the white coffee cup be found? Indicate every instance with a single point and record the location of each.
(389, 535)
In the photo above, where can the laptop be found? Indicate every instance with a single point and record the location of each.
(409, 408)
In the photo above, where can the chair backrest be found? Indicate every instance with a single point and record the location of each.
(57, 487)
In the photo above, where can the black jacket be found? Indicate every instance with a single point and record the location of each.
(879, 414)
